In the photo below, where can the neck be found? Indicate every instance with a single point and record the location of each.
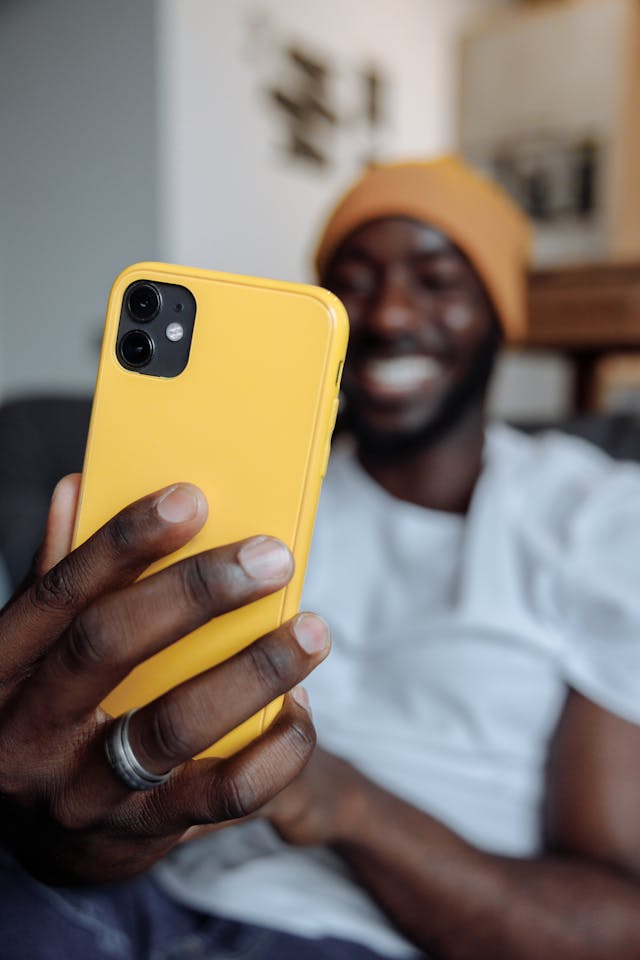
(440, 476)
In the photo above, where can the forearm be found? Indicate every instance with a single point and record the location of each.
(458, 903)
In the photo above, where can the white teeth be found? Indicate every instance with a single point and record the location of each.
(402, 373)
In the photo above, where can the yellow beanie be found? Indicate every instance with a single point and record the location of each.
(469, 208)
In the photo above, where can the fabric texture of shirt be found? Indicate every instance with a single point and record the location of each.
(455, 640)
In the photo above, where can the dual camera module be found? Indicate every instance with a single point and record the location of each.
(156, 327)
(143, 302)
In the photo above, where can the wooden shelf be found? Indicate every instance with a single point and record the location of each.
(586, 312)
(586, 308)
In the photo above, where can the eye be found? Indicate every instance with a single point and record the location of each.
(437, 281)
(352, 280)
(438, 274)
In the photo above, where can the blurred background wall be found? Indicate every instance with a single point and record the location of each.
(152, 129)
(270, 108)
(218, 132)
(78, 178)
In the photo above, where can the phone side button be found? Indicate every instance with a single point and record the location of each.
(325, 457)
(334, 415)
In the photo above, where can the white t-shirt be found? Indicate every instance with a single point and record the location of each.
(454, 642)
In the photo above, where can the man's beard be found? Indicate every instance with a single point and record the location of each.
(381, 445)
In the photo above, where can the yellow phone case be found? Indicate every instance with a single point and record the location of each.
(249, 421)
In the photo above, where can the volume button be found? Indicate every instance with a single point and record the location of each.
(334, 415)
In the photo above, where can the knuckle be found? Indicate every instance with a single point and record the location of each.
(86, 643)
(121, 531)
(55, 590)
(233, 798)
(72, 815)
(301, 737)
(167, 738)
(273, 663)
(196, 582)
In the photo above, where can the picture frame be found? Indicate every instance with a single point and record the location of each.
(549, 96)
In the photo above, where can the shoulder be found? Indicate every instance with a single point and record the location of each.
(567, 487)
(580, 509)
(553, 458)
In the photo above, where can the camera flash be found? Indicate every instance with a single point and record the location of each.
(174, 332)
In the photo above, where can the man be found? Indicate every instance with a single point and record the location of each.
(476, 788)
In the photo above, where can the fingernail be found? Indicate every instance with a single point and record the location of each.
(265, 559)
(301, 697)
(178, 504)
(312, 633)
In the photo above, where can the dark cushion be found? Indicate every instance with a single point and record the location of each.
(41, 439)
(616, 434)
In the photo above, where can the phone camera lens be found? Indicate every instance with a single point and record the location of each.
(143, 302)
(136, 348)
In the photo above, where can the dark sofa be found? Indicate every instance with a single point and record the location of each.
(42, 438)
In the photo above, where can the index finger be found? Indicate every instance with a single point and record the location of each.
(116, 555)
(58, 533)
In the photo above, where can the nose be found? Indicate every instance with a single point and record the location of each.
(393, 310)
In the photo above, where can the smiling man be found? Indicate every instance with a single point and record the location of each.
(430, 261)
(408, 381)
(476, 788)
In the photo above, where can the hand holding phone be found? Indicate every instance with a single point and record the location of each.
(77, 629)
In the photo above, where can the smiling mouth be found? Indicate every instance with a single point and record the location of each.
(399, 376)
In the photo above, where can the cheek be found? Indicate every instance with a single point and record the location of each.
(356, 312)
(468, 324)
(459, 317)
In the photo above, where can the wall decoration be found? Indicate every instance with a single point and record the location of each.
(314, 97)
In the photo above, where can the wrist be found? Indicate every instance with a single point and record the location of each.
(356, 805)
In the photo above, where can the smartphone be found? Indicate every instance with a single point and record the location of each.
(230, 383)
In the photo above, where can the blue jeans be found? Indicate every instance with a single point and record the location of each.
(135, 920)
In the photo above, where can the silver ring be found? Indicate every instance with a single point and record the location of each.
(123, 760)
